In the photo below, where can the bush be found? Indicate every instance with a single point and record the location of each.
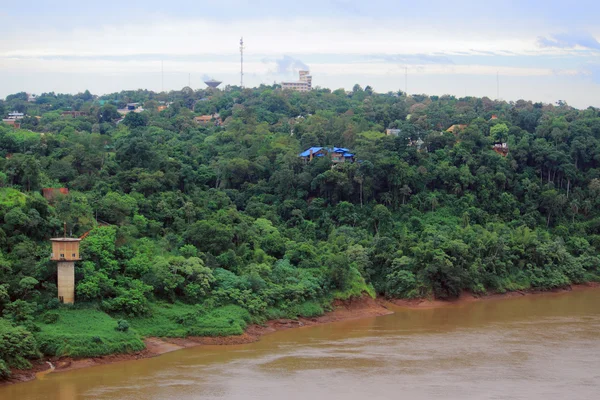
(4, 370)
(53, 304)
(400, 284)
(50, 317)
(122, 326)
(16, 345)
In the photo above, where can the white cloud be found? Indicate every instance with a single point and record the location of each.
(268, 37)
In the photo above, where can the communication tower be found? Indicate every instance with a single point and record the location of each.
(242, 62)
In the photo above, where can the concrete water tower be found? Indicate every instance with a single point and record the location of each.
(211, 83)
(66, 251)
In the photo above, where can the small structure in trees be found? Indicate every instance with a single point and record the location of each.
(456, 128)
(65, 251)
(337, 154)
(51, 193)
(501, 148)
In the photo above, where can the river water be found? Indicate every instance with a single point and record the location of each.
(532, 347)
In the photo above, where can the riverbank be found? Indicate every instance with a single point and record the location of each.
(356, 308)
(363, 307)
(467, 297)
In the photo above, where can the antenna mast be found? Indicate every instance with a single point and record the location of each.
(242, 62)
(162, 76)
(406, 81)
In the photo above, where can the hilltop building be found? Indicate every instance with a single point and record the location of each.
(501, 148)
(13, 119)
(304, 84)
(337, 154)
(205, 120)
(15, 115)
(131, 107)
(456, 128)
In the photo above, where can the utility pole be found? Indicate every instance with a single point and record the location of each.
(242, 62)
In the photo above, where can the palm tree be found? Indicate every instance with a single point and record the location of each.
(405, 191)
(433, 200)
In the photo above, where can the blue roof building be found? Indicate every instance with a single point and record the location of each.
(337, 154)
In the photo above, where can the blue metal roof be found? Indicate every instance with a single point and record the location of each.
(306, 153)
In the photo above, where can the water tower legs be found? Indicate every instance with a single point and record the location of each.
(66, 281)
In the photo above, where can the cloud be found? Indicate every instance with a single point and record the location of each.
(411, 59)
(570, 41)
(289, 65)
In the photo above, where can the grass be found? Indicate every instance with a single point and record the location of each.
(89, 332)
(85, 333)
(181, 320)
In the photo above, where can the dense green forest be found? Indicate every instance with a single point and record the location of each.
(202, 229)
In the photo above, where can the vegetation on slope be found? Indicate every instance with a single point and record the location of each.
(201, 229)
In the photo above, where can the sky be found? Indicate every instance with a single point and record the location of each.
(510, 50)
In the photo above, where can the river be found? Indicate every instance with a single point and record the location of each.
(532, 347)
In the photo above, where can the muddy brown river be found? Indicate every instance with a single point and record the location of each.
(533, 347)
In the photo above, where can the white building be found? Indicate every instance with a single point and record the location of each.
(304, 84)
(15, 115)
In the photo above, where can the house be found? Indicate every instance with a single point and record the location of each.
(209, 119)
(15, 115)
(13, 119)
(162, 108)
(131, 107)
(494, 116)
(501, 148)
(51, 193)
(31, 98)
(12, 122)
(456, 128)
(392, 132)
(337, 154)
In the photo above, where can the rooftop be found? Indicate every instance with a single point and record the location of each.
(313, 150)
(65, 239)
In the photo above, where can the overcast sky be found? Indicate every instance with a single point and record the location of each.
(542, 51)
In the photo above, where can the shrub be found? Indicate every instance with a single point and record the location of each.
(50, 317)
(4, 370)
(400, 283)
(16, 345)
(53, 304)
(122, 326)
